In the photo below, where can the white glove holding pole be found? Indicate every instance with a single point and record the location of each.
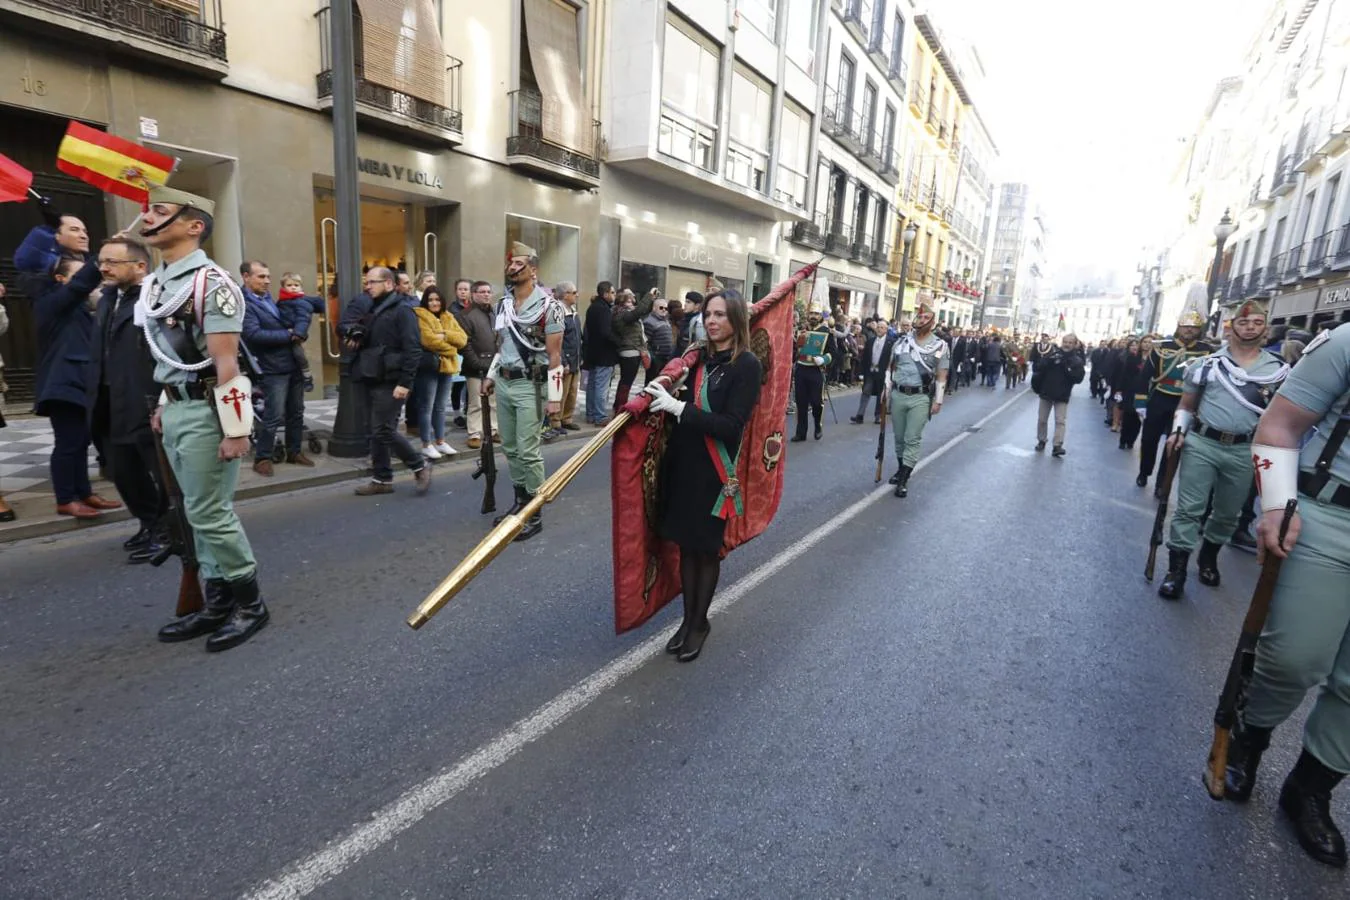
(662, 401)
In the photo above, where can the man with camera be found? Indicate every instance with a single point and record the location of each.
(527, 368)
(389, 348)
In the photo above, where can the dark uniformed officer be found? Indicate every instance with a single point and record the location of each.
(813, 358)
(193, 314)
(1306, 640)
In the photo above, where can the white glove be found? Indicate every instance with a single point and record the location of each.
(662, 401)
(818, 360)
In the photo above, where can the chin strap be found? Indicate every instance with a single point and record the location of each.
(234, 406)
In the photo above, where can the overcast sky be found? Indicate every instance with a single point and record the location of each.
(1089, 102)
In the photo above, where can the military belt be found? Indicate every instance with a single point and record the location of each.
(907, 389)
(193, 390)
(1227, 438)
(511, 373)
(1308, 483)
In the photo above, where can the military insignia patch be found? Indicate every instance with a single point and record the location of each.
(1317, 342)
(225, 303)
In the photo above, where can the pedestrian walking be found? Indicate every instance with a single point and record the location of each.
(391, 348)
(194, 317)
(992, 360)
(1164, 369)
(916, 380)
(1222, 400)
(442, 339)
(527, 369)
(1305, 636)
(1057, 370)
(1123, 383)
(815, 350)
(699, 492)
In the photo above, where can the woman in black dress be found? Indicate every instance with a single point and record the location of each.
(710, 415)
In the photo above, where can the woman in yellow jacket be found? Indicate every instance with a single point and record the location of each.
(442, 339)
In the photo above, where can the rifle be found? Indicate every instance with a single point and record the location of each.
(1234, 694)
(487, 462)
(1155, 539)
(180, 538)
(881, 437)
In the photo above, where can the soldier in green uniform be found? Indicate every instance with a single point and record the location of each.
(1163, 370)
(528, 367)
(1223, 397)
(916, 380)
(193, 314)
(1306, 640)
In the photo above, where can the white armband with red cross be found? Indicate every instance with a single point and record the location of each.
(1276, 471)
(555, 384)
(234, 406)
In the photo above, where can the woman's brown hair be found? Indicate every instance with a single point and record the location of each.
(738, 316)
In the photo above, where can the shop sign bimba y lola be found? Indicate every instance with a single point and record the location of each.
(399, 173)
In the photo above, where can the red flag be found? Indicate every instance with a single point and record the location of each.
(646, 568)
(15, 181)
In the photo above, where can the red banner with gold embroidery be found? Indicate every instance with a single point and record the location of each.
(646, 568)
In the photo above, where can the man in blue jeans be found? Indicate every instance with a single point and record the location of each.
(600, 353)
(283, 382)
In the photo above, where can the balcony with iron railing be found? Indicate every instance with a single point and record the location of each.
(185, 36)
(1235, 288)
(930, 123)
(890, 168)
(881, 258)
(1293, 264)
(810, 234)
(918, 99)
(1319, 249)
(897, 73)
(387, 108)
(1343, 248)
(1254, 281)
(838, 238)
(1272, 271)
(1285, 175)
(943, 134)
(858, 18)
(879, 45)
(535, 147)
(861, 250)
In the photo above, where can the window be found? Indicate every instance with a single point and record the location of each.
(762, 14)
(794, 142)
(844, 86)
(868, 123)
(1332, 194)
(748, 147)
(689, 88)
(801, 33)
(897, 48)
(559, 246)
(888, 133)
(551, 66)
(881, 220)
(1279, 240)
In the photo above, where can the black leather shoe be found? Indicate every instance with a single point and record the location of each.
(819, 432)
(250, 615)
(693, 643)
(1306, 799)
(796, 439)
(533, 525)
(217, 604)
(1244, 757)
(1058, 452)
(521, 499)
(1243, 540)
(138, 540)
(1040, 445)
(1141, 481)
(676, 641)
(144, 554)
(856, 420)
(1173, 586)
(1208, 561)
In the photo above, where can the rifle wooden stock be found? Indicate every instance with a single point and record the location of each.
(1155, 538)
(190, 598)
(1240, 668)
(881, 436)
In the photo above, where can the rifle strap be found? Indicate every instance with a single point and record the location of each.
(1322, 468)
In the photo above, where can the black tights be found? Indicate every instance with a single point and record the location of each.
(698, 575)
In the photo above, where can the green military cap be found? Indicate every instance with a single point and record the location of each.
(1252, 308)
(518, 250)
(161, 194)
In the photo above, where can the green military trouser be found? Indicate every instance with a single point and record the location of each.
(518, 407)
(192, 443)
(1306, 641)
(909, 414)
(1209, 466)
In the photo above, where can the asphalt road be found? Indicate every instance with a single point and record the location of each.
(967, 693)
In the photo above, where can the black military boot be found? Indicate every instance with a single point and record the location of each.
(250, 615)
(1306, 799)
(1173, 586)
(1244, 757)
(1208, 560)
(819, 430)
(534, 524)
(895, 479)
(902, 486)
(521, 499)
(218, 603)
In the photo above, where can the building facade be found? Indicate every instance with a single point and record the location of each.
(1271, 149)
(1093, 317)
(477, 126)
(1017, 262)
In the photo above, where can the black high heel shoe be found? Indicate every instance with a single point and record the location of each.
(693, 643)
(676, 642)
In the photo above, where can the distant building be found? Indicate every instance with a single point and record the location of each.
(1093, 317)
(1017, 262)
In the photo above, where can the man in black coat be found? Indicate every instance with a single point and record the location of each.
(875, 359)
(122, 392)
(599, 352)
(386, 364)
(1058, 369)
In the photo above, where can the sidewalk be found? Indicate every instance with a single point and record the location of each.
(26, 446)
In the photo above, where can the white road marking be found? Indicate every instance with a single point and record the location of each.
(311, 873)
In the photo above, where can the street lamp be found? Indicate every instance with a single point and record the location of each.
(1222, 232)
(907, 239)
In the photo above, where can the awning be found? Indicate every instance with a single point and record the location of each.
(401, 47)
(555, 54)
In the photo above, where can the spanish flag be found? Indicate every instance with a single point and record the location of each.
(111, 163)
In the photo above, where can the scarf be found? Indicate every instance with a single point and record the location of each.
(729, 502)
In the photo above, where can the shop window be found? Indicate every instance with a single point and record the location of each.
(689, 89)
(558, 246)
(641, 278)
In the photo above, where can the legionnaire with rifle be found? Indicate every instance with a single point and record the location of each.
(1223, 397)
(1163, 370)
(1305, 639)
(193, 314)
(916, 379)
(528, 365)
(813, 360)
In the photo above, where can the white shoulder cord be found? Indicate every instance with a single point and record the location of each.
(506, 317)
(1230, 375)
(150, 307)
